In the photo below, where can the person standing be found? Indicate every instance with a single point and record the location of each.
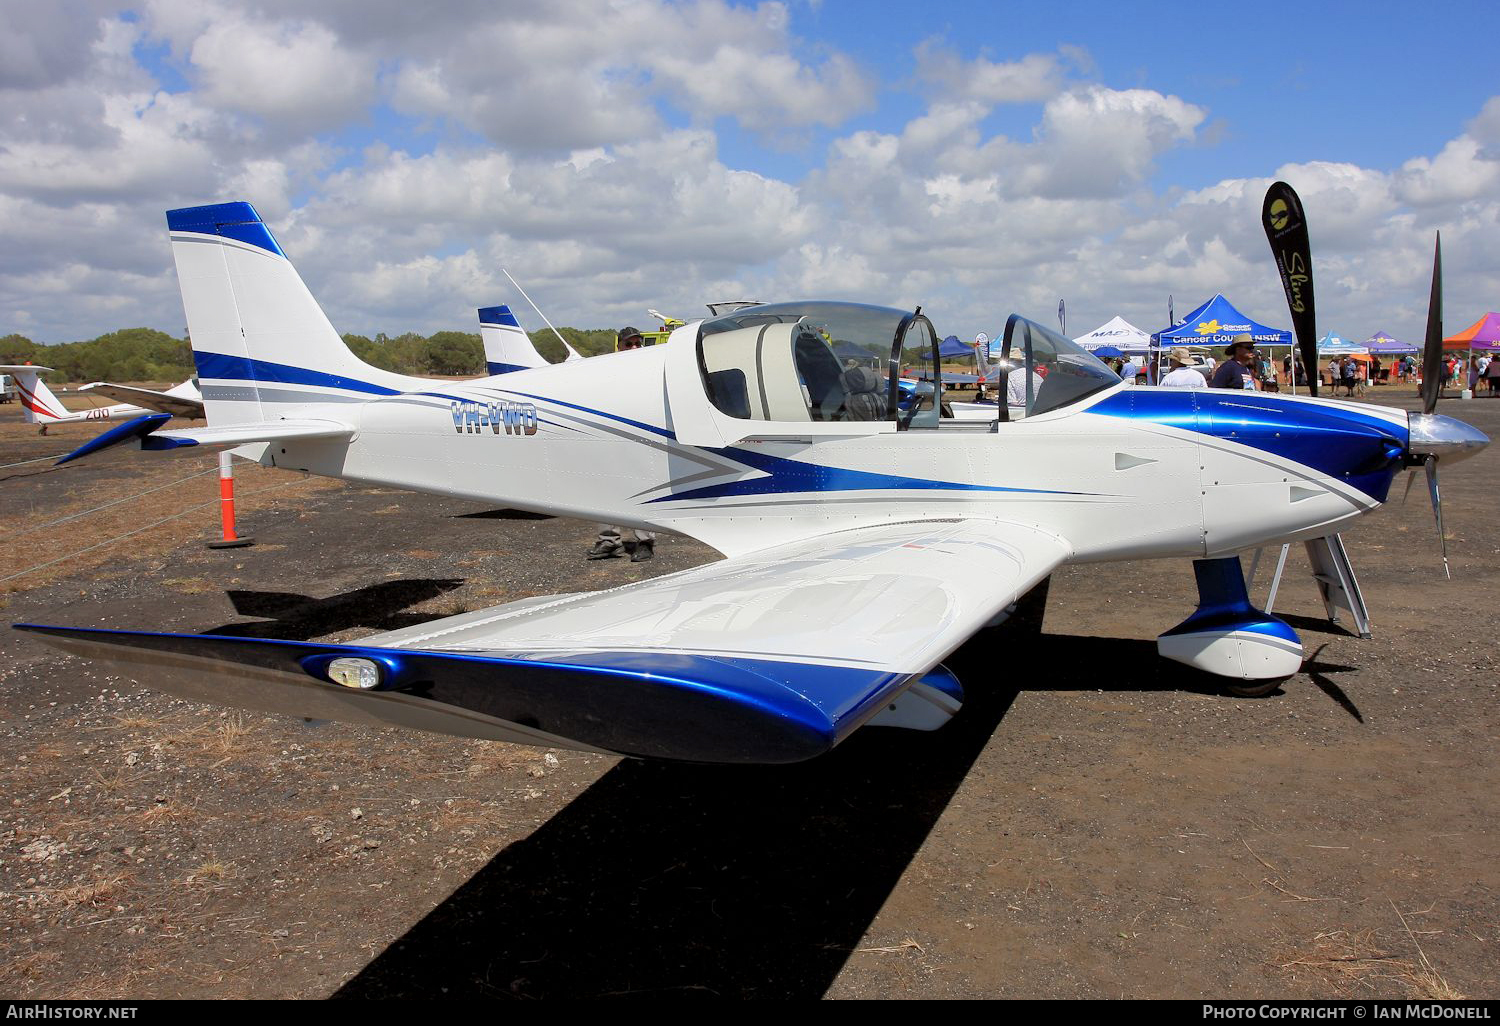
(1234, 372)
(610, 543)
(1182, 374)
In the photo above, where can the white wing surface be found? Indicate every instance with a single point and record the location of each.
(774, 656)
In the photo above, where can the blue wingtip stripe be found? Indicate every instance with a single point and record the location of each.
(674, 705)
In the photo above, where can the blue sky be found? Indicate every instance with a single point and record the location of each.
(975, 158)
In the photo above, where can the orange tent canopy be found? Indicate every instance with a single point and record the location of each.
(1482, 334)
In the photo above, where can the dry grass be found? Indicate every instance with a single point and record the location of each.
(169, 812)
(102, 890)
(497, 756)
(190, 585)
(42, 545)
(1358, 964)
(30, 969)
(228, 738)
(211, 869)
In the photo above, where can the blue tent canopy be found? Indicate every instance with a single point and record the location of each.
(1215, 323)
(846, 350)
(949, 348)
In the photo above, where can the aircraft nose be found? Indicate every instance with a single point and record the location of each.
(1445, 437)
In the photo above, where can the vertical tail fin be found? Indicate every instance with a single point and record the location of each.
(506, 347)
(261, 343)
(38, 404)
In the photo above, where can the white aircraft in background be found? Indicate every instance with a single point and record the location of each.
(859, 551)
(40, 406)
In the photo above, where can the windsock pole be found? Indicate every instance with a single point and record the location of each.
(226, 507)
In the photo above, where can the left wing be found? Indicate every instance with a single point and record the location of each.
(775, 656)
(149, 399)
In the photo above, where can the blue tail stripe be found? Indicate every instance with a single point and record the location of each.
(239, 368)
(498, 315)
(238, 221)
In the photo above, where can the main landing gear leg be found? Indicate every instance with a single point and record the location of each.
(1230, 637)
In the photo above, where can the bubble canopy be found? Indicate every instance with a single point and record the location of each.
(831, 361)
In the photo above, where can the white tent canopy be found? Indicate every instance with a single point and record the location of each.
(1334, 345)
(1121, 334)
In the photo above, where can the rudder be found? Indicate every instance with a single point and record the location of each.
(38, 404)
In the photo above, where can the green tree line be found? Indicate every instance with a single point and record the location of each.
(145, 354)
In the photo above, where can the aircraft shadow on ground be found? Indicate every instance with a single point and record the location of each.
(504, 514)
(733, 882)
(670, 879)
(1316, 624)
(291, 617)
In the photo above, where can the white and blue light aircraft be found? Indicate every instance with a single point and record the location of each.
(863, 542)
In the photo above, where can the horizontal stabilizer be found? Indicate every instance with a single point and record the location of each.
(139, 427)
(255, 431)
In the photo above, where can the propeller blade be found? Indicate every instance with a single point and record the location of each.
(1286, 230)
(1410, 479)
(1431, 465)
(1432, 356)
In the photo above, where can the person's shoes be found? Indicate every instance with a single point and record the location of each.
(605, 550)
(643, 551)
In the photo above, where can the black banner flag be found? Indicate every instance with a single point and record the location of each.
(1286, 230)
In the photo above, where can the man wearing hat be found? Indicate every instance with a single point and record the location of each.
(610, 544)
(1235, 371)
(1182, 374)
(627, 338)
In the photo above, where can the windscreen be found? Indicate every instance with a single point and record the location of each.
(1060, 371)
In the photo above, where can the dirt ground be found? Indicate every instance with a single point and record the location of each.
(1096, 823)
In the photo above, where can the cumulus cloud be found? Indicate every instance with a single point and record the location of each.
(295, 72)
(582, 74)
(1034, 77)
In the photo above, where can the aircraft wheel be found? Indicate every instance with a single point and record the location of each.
(1255, 688)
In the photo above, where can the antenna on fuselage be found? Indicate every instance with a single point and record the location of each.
(573, 354)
